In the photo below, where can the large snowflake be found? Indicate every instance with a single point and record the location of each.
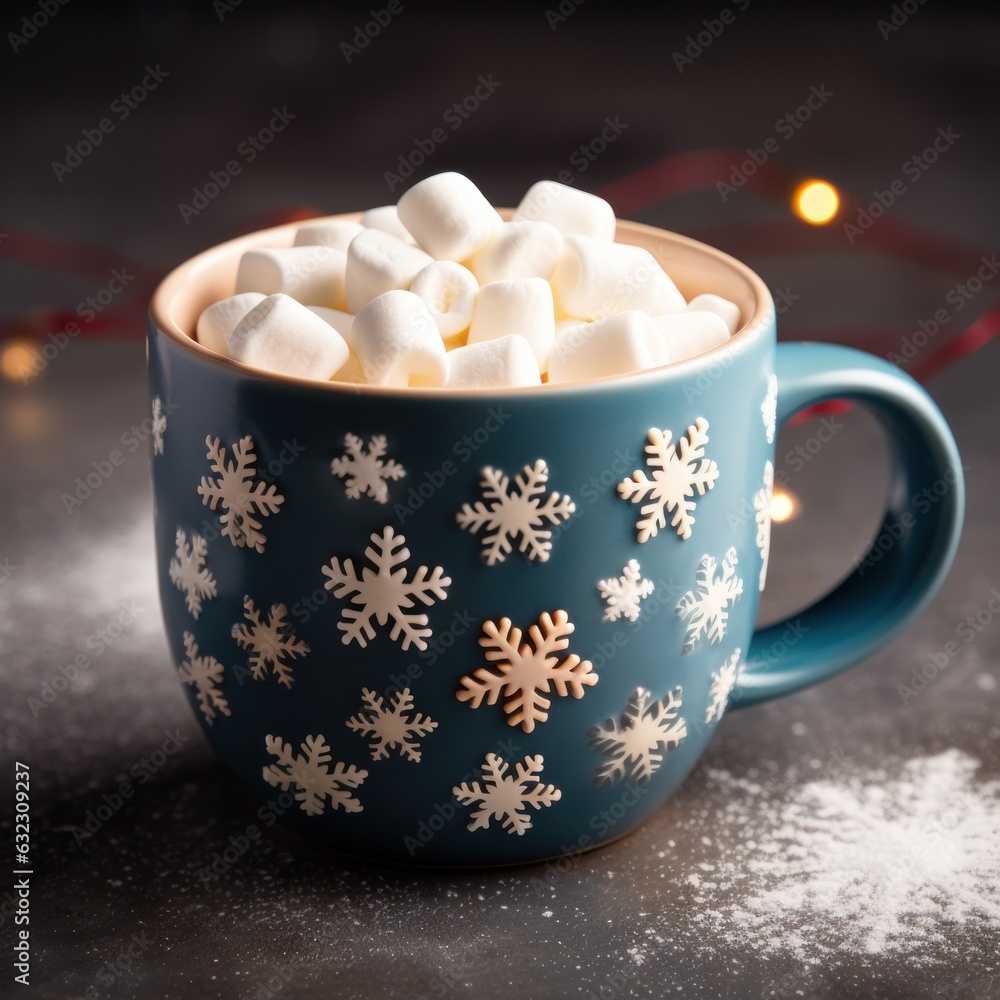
(508, 513)
(241, 498)
(525, 672)
(392, 726)
(769, 408)
(189, 574)
(366, 473)
(678, 470)
(384, 592)
(707, 608)
(635, 747)
(271, 642)
(204, 674)
(624, 594)
(504, 796)
(159, 425)
(310, 773)
(762, 514)
(723, 682)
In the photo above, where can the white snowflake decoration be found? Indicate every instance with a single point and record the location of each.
(707, 607)
(384, 592)
(769, 408)
(723, 682)
(624, 594)
(504, 796)
(204, 674)
(241, 498)
(271, 643)
(309, 772)
(678, 471)
(159, 425)
(762, 514)
(366, 473)
(525, 672)
(189, 573)
(637, 745)
(508, 513)
(392, 726)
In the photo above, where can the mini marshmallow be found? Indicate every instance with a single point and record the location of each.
(493, 364)
(449, 291)
(339, 320)
(729, 312)
(312, 275)
(594, 279)
(336, 233)
(377, 263)
(448, 216)
(572, 212)
(350, 372)
(688, 334)
(616, 345)
(668, 296)
(519, 250)
(386, 218)
(397, 342)
(217, 322)
(281, 335)
(519, 305)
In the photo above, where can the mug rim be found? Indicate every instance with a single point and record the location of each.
(173, 283)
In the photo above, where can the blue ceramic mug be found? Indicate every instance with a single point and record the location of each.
(493, 627)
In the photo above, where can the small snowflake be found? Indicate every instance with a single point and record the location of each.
(707, 608)
(762, 514)
(624, 594)
(384, 592)
(525, 673)
(159, 425)
(508, 513)
(723, 682)
(204, 674)
(366, 473)
(238, 497)
(504, 796)
(188, 571)
(393, 726)
(677, 472)
(769, 408)
(271, 643)
(310, 773)
(636, 747)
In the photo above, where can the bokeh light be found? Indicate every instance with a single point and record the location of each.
(815, 202)
(783, 506)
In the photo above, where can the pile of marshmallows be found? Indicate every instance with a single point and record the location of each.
(440, 291)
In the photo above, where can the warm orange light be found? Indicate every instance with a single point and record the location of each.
(783, 506)
(815, 202)
(18, 361)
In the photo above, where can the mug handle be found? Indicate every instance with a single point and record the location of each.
(919, 532)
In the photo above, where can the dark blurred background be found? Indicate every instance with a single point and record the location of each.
(596, 89)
